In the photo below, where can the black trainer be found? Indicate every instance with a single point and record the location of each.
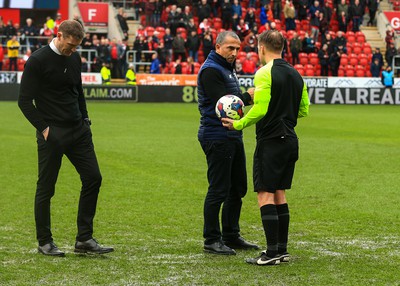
(219, 248)
(91, 246)
(50, 249)
(284, 257)
(264, 260)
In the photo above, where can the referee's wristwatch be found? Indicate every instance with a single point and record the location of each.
(88, 121)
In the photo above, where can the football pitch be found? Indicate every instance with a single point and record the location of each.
(344, 203)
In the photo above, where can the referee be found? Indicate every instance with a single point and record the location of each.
(280, 98)
(51, 98)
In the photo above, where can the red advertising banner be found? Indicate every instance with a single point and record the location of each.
(394, 19)
(93, 13)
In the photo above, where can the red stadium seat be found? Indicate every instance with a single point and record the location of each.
(360, 73)
(344, 60)
(314, 61)
(303, 58)
(341, 72)
(217, 23)
(357, 50)
(149, 31)
(353, 59)
(310, 72)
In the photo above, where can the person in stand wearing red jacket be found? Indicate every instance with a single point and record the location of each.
(249, 66)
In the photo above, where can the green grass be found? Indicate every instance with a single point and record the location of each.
(344, 202)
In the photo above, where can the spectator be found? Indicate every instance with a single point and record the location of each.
(192, 45)
(239, 68)
(115, 53)
(208, 44)
(203, 10)
(150, 46)
(389, 37)
(375, 68)
(123, 22)
(105, 74)
(356, 13)
(250, 18)
(323, 25)
(242, 29)
(343, 22)
(289, 13)
(376, 54)
(9, 30)
(387, 77)
(250, 42)
(315, 25)
(237, 9)
(340, 40)
(140, 31)
(226, 15)
(342, 7)
(29, 32)
(162, 54)
(103, 51)
(46, 32)
(308, 45)
(390, 53)
(84, 66)
(334, 60)
(295, 48)
(57, 23)
(155, 65)
(87, 44)
(186, 16)
(1, 56)
(139, 8)
(249, 66)
(158, 8)
(149, 11)
(277, 9)
(191, 26)
(178, 47)
(130, 75)
(323, 57)
(372, 8)
(329, 42)
(13, 51)
(123, 61)
(264, 15)
(204, 25)
(173, 19)
(190, 66)
(302, 10)
(178, 66)
(263, 28)
(168, 39)
(50, 23)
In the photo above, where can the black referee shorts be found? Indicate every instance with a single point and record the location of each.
(274, 162)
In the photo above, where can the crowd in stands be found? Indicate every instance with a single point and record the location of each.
(323, 36)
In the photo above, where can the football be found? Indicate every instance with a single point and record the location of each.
(230, 106)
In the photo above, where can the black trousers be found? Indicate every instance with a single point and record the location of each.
(76, 143)
(227, 180)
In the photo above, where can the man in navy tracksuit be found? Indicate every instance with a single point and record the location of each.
(223, 148)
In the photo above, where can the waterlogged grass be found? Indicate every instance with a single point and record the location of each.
(344, 202)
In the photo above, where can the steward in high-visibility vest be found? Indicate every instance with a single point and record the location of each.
(130, 76)
(105, 74)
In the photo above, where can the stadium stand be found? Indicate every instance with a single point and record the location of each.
(153, 36)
